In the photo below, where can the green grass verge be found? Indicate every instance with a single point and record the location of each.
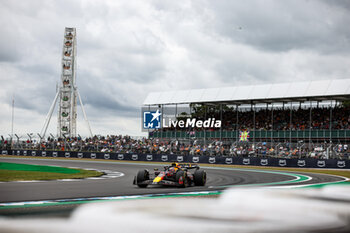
(36, 168)
(23, 172)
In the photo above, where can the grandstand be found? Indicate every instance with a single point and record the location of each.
(312, 111)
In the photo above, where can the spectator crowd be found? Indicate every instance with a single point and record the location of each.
(322, 118)
(127, 144)
(265, 119)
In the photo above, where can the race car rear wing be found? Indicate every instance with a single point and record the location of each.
(185, 165)
(189, 165)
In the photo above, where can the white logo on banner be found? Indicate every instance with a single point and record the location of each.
(135, 157)
(149, 157)
(43, 153)
(93, 155)
(341, 164)
(264, 162)
(54, 154)
(246, 161)
(301, 163)
(180, 158)
(120, 156)
(80, 155)
(67, 154)
(33, 153)
(25, 153)
(212, 160)
(195, 159)
(164, 158)
(282, 162)
(228, 160)
(321, 163)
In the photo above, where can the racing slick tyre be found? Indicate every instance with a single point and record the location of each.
(200, 177)
(142, 175)
(181, 178)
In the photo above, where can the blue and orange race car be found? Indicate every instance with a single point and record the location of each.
(176, 174)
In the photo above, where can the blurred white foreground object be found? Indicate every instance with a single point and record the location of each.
(237, 210)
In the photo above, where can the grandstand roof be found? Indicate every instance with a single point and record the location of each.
(337, 89)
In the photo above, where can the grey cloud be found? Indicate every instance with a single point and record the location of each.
(38, 100)
(8, 51)
(284, 25)
(108, 104)
(106, 99)
(342, 4)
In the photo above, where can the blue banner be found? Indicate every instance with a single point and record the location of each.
(249, 161)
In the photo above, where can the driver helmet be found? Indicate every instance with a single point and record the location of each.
(171, 171)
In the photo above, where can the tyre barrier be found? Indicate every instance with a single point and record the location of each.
(251, 161)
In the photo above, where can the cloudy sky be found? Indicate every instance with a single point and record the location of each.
(127, 49)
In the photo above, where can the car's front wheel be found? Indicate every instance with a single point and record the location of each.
(200, 177)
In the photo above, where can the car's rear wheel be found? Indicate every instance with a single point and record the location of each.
(200, 177)
(142, 175)
(181, 178)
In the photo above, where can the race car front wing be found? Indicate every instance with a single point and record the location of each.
(162, 182)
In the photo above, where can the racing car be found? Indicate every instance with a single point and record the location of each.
(176, 174)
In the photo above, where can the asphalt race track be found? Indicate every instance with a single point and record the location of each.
(217, 179)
